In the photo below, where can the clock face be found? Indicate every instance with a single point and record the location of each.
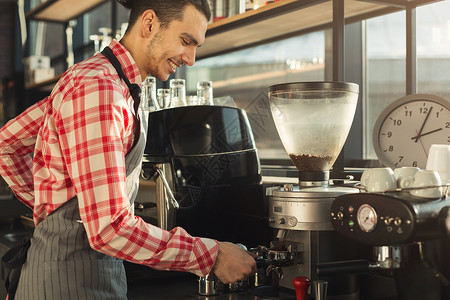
(405, 130)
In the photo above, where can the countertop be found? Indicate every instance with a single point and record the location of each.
(147, 284)
(185, 286)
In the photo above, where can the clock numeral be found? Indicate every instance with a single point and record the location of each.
(423, 110)
(408, 113)
(448, 139)
(391, 148)
(414, 164)
(389, 134)
(400, 159)
(397, 122)
(447, 124)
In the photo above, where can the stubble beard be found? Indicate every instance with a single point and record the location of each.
(154, 47)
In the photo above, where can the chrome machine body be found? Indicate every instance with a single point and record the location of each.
(301, 217)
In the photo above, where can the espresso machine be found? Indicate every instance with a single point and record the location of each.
(207, 172)
(313, 120)
(409, 235)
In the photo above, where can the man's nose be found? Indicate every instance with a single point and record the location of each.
(189, 57)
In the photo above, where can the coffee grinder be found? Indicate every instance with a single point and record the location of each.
(313, 120)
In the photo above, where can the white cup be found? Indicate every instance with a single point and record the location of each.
(378, 180)
(439, 161)
(425, 178)
(405, 176)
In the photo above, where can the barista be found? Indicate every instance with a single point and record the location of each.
(87, 140)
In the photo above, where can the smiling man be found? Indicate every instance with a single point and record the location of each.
(165, 37)
(87, 140)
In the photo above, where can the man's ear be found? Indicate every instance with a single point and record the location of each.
(148, 21)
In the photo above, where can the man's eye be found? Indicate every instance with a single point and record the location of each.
(184, 42)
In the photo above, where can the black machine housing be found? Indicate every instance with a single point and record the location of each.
(215, 170)
(401, 218)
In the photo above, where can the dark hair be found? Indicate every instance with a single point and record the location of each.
(166, 10)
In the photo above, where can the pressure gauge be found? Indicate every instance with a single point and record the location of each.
(366, 218)
(406, 129)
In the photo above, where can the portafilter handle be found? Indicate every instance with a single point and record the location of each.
(301, 285)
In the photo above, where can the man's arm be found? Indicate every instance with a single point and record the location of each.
(94, 124)
(17, 141)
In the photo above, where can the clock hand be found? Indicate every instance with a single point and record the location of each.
(423, 124)
(429, 132)
(418, 137)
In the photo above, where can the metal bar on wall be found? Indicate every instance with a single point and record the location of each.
(338, 61)
(411, 53)
(114, 22)
(338, 40)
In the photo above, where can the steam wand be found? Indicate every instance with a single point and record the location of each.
(169, 190)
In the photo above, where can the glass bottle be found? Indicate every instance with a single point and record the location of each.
(177, 92)
(148, 94)
(205, 93)
(163, 96)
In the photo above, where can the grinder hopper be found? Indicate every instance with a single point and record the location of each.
(313, 120)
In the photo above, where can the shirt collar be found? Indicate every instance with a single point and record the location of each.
(129, 66)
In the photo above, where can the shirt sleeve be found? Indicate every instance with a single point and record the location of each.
(93, 127)
(17, 141)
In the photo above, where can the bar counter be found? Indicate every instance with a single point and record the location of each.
(180, 286)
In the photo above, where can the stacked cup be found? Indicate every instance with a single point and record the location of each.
(439, 161)
(378, 180)
(422, 183)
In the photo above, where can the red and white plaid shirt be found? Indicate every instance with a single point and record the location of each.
(79, 136)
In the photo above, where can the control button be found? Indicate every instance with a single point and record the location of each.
(271, 220)
(350, 209)
(399, 230)
(281, 221)
(292, 221)
(388, 220)
(332, 214)
(408, 222)
(389, 229)
(397, 222)
(351, 223)
(340, 215)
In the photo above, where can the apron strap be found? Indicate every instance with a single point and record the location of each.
(134, 88)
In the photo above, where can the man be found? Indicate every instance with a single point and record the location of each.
(85, 167)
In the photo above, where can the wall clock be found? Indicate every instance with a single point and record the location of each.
(406, 129)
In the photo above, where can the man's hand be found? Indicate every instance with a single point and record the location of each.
(233, 263)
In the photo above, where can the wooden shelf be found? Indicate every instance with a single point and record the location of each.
(62, 10)
(44, 85)
(273, 21)
(287, 18)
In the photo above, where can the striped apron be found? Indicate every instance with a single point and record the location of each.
(61, 265)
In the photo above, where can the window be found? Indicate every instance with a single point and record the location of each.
(247, 74)
(385, 69)
(433, 49)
